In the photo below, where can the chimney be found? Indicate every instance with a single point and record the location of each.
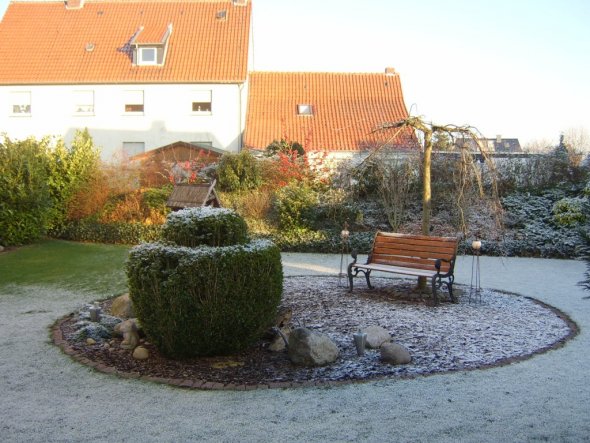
(390, 71)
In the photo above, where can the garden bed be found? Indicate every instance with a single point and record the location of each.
(499, 329)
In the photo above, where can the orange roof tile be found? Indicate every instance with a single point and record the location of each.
(45, 43)
(346, 107)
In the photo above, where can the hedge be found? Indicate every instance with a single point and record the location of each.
(207, 300)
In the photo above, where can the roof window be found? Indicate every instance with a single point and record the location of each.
(221, 15)
(304, 109)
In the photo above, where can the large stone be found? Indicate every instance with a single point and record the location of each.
(311, 348)
(278, 344)
(395, 354)
(122, 307)
(376, 336)
(141, 353)
(128, 330)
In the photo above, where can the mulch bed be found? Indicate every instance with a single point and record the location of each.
(499, 329)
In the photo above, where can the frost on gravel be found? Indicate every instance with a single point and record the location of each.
(466, 335)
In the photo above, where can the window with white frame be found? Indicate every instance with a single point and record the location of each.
(148, 56)
(201, 102)
(83, 102)
(133, 148)
(20, 103)
(133, 102)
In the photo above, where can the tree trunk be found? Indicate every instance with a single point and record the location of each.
(426, 194)
(426, 189)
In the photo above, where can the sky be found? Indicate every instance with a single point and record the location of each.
(516, 68)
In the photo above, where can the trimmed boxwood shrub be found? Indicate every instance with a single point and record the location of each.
(205, 226)
(207, 300)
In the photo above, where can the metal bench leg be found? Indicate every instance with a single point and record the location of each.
(367, 275)
(434, 295)
(350, 277)
(450, 286)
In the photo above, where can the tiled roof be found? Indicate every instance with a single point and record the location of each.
(45, 43)
(346, 107)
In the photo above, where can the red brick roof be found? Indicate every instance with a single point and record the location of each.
(346, 107)
(45, 43)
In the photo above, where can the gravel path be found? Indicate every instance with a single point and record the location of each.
(44, 396)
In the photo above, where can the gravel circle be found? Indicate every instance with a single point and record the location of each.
(494, 329)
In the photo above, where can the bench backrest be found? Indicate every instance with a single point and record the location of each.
(413, 251)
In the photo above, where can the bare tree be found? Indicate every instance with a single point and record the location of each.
(465, 138)
(577, 139)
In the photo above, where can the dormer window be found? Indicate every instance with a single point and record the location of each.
(147, 50)
(147, 56)
(304, 109)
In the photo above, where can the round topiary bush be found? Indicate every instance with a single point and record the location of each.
(199, 301)
(205, 226)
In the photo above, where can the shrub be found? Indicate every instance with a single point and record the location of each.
(294, 206)
(70, 169)
(92, 230)
(238, 172)
(570, 211)
(205, 226)
(25, 200)
(156, 198)
(328, 241)
(205, 300)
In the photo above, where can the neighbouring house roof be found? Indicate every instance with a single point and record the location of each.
(191, 196)
(47, 42)
(498, 144)
(331, 111)
(175, 162)
(179, 152)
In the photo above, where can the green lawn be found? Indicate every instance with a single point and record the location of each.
(78, 266)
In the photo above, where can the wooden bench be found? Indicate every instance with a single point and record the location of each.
(415, 255)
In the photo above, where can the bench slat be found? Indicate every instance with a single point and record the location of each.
(395, 235)
(415, 245)
(434, 254)
(409, 262)
(398, 270)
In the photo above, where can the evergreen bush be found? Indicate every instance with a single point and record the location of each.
(238, 172)
(193, 299)
(25, 199)
(205, 226)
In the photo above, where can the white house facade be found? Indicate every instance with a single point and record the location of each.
(137, 74)
(126, 120)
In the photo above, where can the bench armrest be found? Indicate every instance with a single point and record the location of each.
(354, 255)
(438, 263)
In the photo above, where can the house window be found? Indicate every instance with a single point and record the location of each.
(133, 101)
(83, 102)
(304, 109)
(147, 56)
(20, 103)
(201, 102)
(133, 148)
